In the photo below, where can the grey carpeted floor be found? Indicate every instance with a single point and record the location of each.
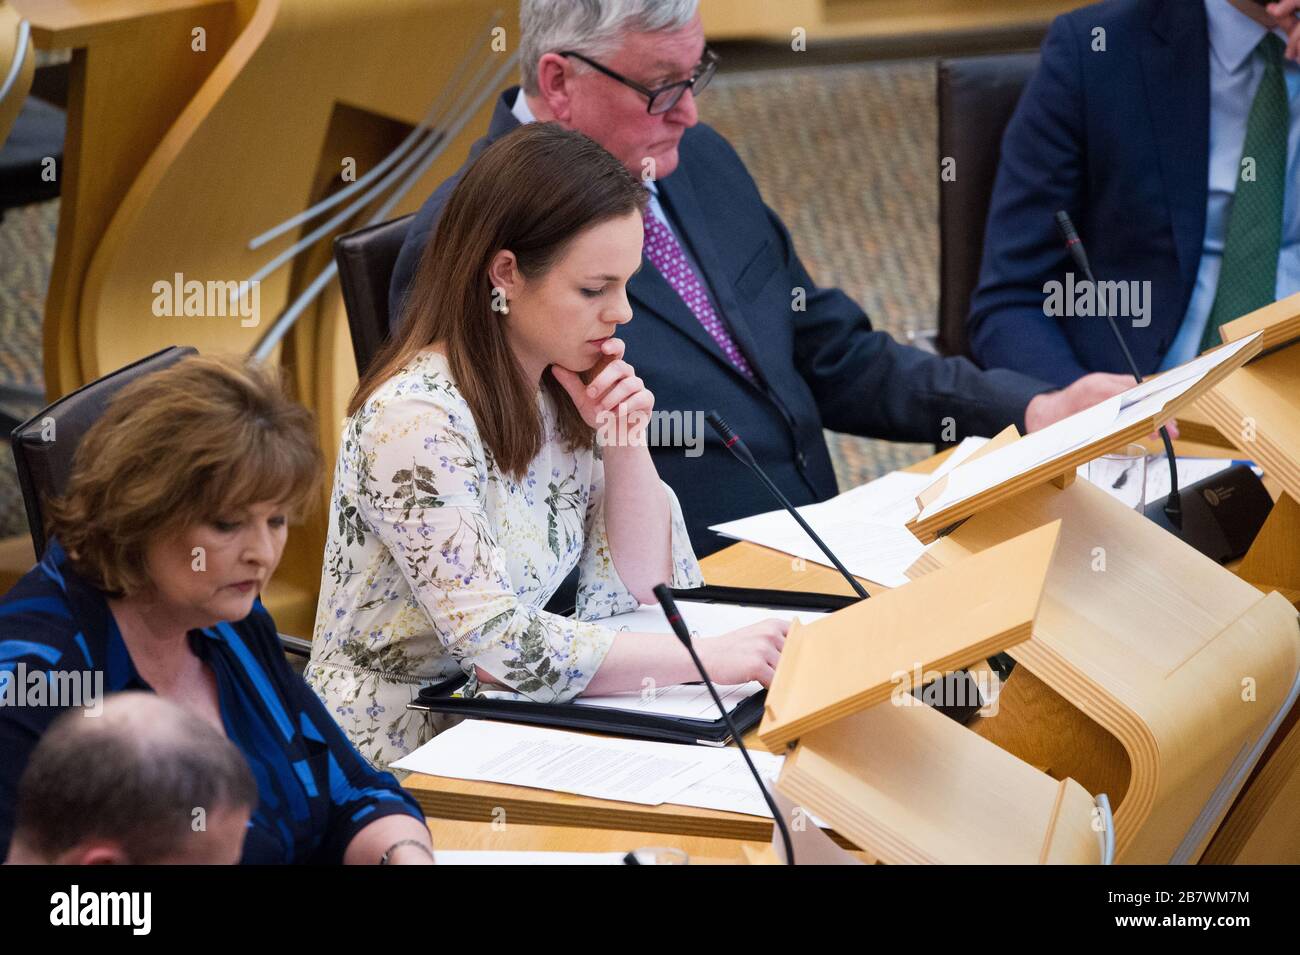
(845, 155)
(26, 250)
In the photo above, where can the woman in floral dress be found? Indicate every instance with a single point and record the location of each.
(496, 443)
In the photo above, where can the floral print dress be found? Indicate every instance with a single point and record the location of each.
(437, 562)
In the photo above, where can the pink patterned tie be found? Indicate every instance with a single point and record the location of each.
(666, 254)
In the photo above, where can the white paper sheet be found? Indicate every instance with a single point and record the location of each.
(1190, 371)
(1108, 417)
(964, 450)
(862, 527)
(704, 621)
(686, 701)
(1030, 451)
(1190, 470)
(1152, 404)
(636, 771)
(890, 499)
(602, 767)
(732, 787)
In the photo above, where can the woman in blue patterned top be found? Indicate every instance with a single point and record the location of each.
(175, 517)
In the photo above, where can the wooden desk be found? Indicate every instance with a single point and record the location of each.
(485, 803)
(517, 837)
(875, 19)
(565, 822)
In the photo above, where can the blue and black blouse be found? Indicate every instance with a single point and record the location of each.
(316, 792)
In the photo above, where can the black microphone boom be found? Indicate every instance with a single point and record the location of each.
(1074, 245)
(665, 598)
(732, 442)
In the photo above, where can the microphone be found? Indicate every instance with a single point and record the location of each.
(665, 598)
(960, 686)
(737, 447)
(1074, 245)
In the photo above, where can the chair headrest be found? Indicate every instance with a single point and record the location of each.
(44, 445)
(366, 259)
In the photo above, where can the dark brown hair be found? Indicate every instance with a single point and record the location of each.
(531, 192)
(176, 448)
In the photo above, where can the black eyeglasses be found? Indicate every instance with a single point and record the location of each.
(664, 98)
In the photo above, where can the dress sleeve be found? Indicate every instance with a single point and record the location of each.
(601, 593)
(422, 490)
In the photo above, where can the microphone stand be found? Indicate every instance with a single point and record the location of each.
(1074, 245)
(665, 598)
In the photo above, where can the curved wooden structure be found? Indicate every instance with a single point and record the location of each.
(898, 778)
(875, 19)
(196, 125)
(17, 66)
(215, 136)
(1153, 675)
(1259, 409)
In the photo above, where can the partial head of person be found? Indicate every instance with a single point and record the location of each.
(181, 494)
(144, 782)
(527, 269)
(624, 72)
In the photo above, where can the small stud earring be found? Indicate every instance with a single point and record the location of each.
(505, 308)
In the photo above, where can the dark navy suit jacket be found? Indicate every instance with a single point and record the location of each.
(1120, 139)
(821, 367)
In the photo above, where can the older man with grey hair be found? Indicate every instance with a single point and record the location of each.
(145, 781)
(726, 317)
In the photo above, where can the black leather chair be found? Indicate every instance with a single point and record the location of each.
(44, 446)
(37, 136)
(976, 97)
(366, 259)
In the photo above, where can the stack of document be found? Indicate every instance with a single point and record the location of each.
(601, 767)
(863, 527)
(1085, 428)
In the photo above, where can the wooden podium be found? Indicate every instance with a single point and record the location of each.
(1258, 409)
(1153, 674)
(899, 779)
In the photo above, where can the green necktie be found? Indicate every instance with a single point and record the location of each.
(1248, 278)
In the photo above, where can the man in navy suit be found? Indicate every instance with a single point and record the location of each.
(1168, 129)
(725, 316)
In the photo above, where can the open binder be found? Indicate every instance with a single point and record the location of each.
(439, 698)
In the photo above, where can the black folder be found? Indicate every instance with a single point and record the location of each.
(598, 719)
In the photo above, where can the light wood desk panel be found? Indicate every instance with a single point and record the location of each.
(565, 822)
(478, 803)
(516, 837)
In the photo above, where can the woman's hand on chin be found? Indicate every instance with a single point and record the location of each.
(613, 399)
